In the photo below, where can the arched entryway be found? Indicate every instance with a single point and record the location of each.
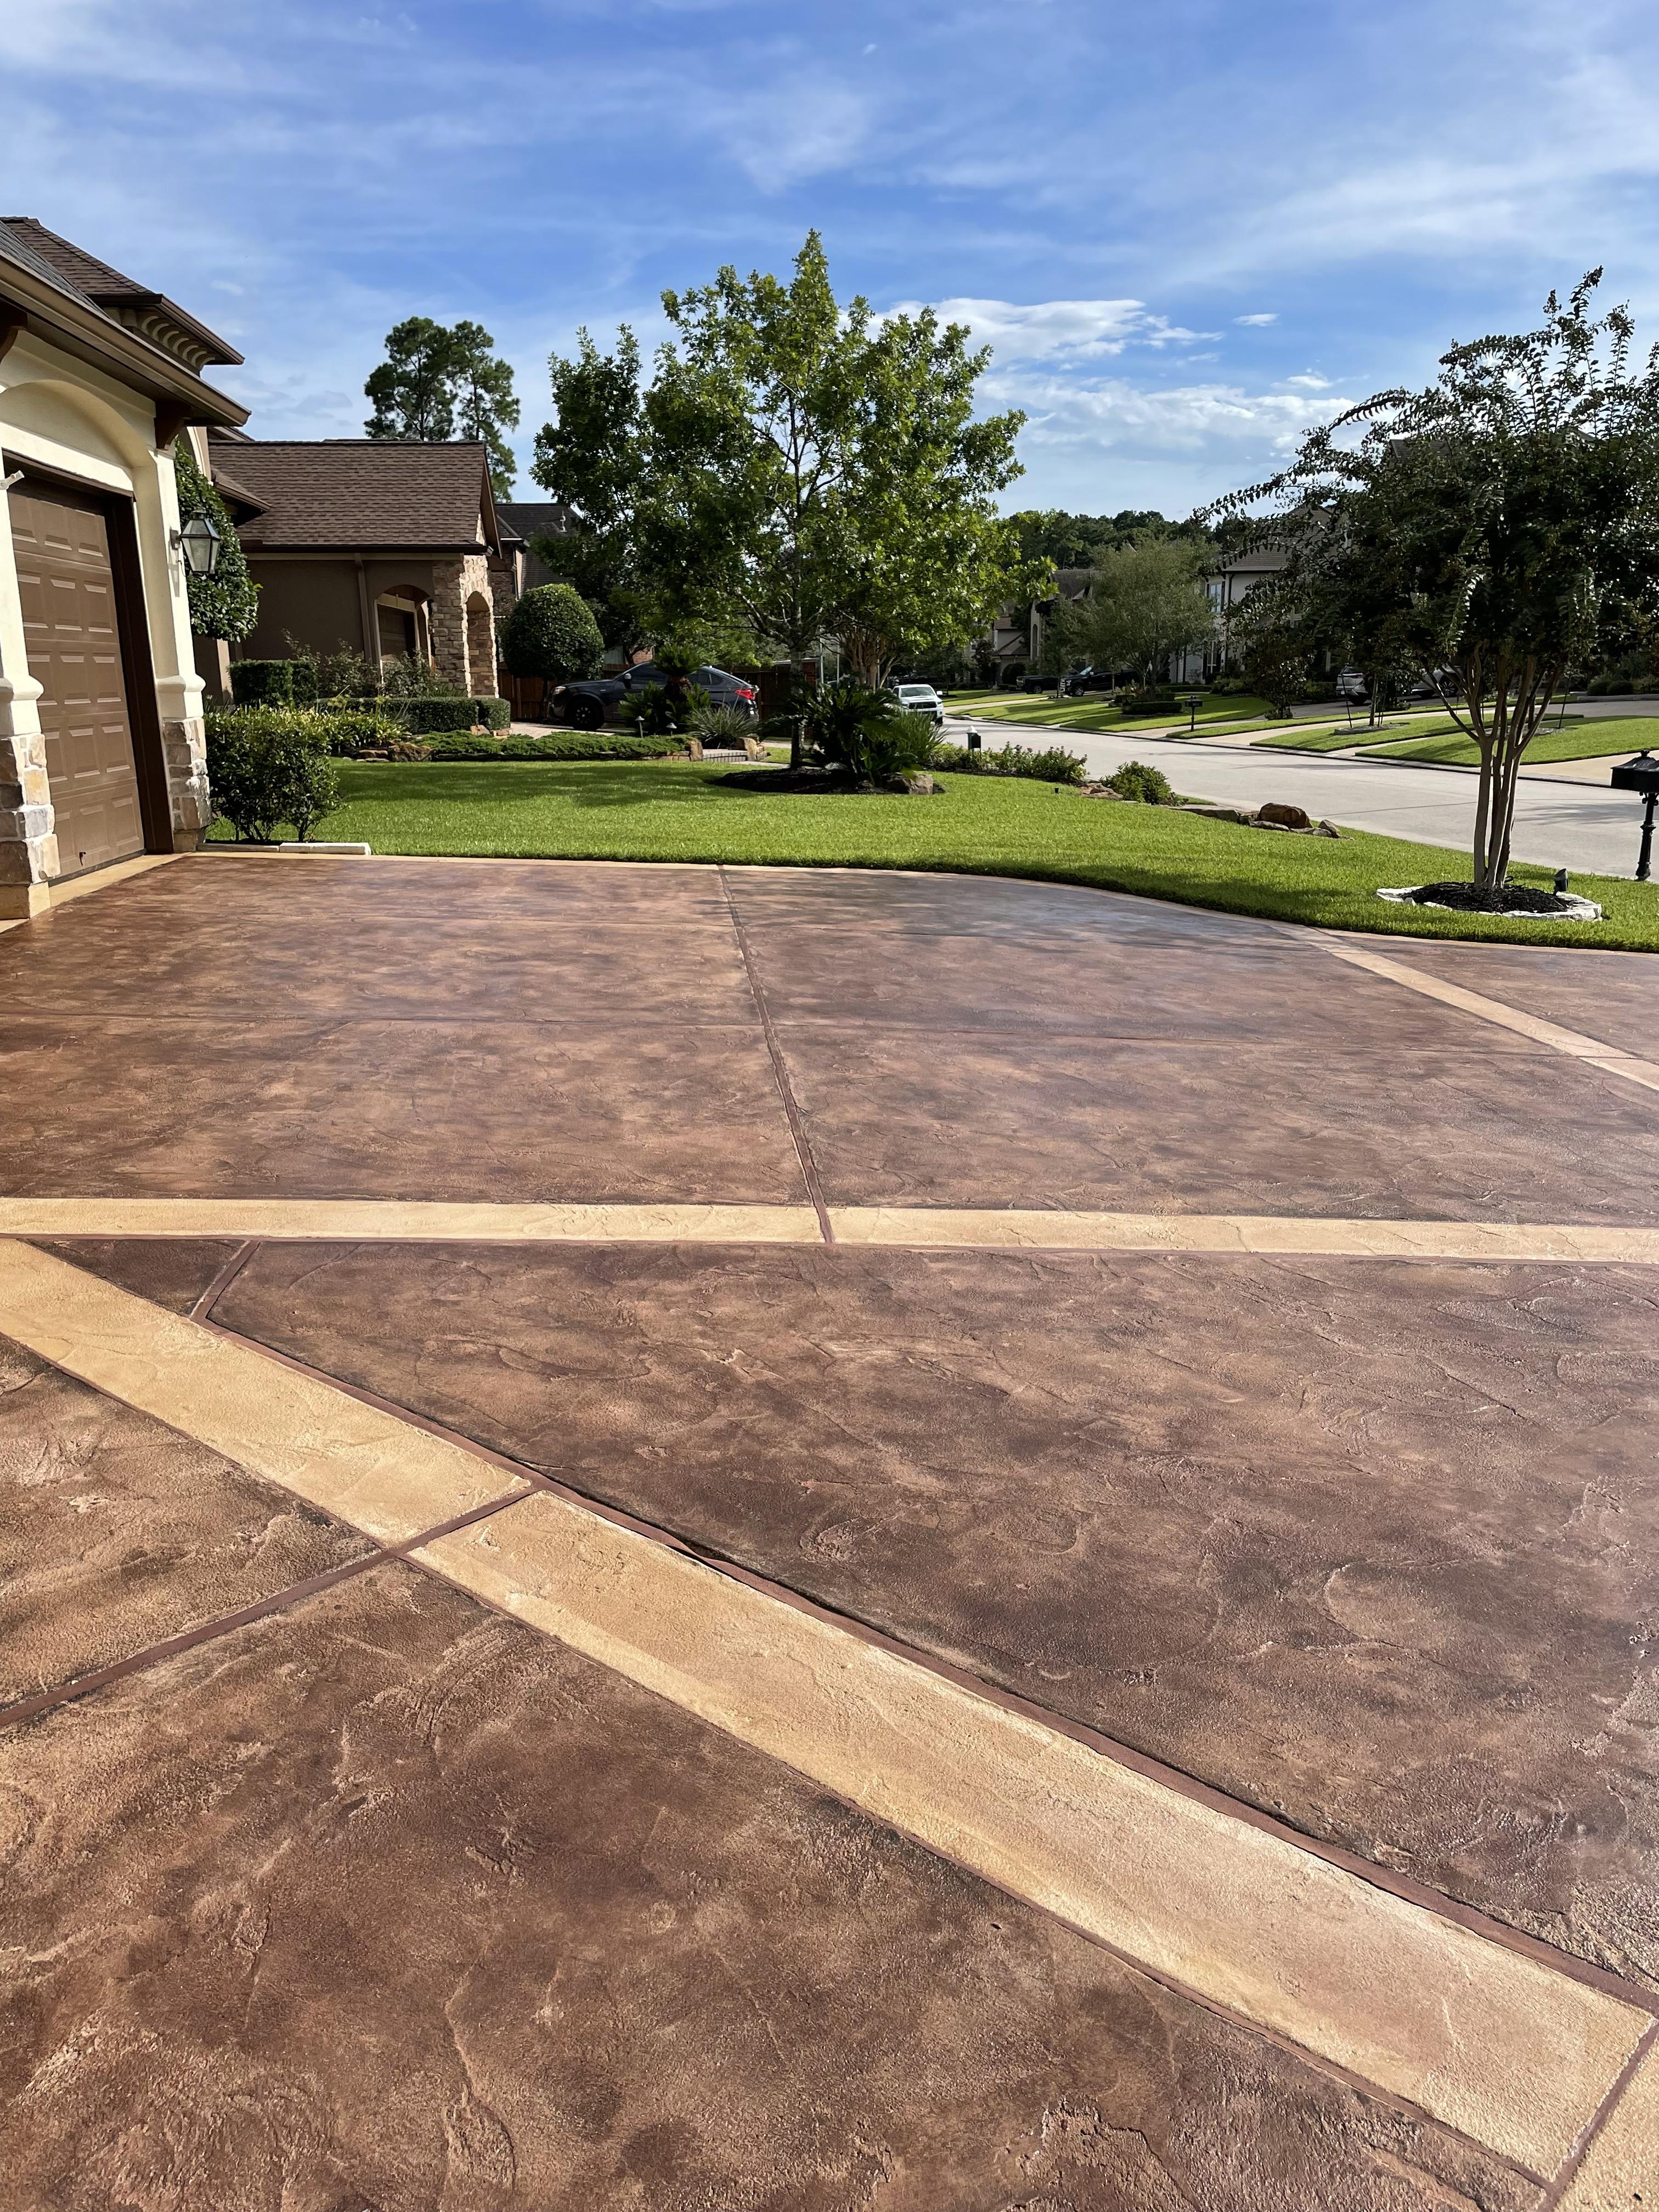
(481, 646)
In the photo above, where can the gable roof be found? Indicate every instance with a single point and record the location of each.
(143, 339)
(352, 494)
(536, 517)
(151, 313)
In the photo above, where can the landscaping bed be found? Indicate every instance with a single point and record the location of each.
(675, 810)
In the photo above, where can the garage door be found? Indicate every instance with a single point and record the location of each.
(64, 577)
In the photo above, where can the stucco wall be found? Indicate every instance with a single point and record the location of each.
(74, 420)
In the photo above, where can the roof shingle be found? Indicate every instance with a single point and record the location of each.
(352, 494)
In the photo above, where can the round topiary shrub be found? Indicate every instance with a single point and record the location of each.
(551, 633)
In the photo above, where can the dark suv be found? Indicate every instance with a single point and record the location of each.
(587, 705)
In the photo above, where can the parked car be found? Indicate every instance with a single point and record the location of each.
(1445, 681)
(586, 704)
(920, 699)
(1351, 684)
(1092, 680)
(1039, 683)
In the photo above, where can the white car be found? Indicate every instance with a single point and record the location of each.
(921, 699)
(1351, 684)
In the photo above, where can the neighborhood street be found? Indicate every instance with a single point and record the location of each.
(1560, 824)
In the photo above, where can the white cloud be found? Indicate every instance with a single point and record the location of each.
(1308, 382)
(1256, 322)
(1176, 418)
(1058, 331)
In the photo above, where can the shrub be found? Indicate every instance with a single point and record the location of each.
(268, 766)
(263, 682)
(356, 729)
(721, 726)
(550, 632)
(225, 605)
(867, 732)
(1054, 766)
(1135, 780)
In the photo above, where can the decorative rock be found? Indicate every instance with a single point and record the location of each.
(1274, 815)
(911, 782)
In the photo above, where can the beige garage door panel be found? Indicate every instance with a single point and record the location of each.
(68, 592)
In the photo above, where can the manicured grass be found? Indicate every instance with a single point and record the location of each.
(1092, 713)
(1306, 740)
(997, 826)
(1584, 740)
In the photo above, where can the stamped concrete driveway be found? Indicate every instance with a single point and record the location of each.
(687, 1538)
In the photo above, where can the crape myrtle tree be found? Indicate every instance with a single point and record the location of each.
(1503, 524)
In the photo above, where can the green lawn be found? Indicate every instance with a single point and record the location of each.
(1582, 740)
(652, 810)
(1092, 713)
(1319, 739)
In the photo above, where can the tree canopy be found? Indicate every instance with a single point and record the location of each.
(1146, 603)
(1503, 523)
(795, 470)
(437, 383)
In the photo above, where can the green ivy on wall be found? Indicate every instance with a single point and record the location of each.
(226, 604)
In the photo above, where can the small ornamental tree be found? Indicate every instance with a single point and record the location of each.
(1503, 525)
(550, 632)
(1147, 602)
(226, 604)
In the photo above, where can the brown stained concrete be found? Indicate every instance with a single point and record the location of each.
(273, 1106)
(117, 1533)
(1612, 996)
(985, 1118)
(386, 1902)
(1367, 1544)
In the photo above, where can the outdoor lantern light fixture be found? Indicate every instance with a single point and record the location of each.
(1641, 776)
(198, 541)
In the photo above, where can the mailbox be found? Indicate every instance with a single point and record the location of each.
(1641, 775)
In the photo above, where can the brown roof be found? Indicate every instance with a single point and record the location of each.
(149, 312)
(354, 493)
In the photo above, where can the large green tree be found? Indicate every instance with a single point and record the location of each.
(591, 458)
(929, 559)
(1503, 523)
(438, 382)
(1146, 603)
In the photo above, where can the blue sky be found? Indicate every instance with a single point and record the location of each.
(1188, 229)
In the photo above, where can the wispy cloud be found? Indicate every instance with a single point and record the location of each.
(1060, 329)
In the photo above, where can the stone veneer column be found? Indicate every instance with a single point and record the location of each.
(184, 752)
(453, 583)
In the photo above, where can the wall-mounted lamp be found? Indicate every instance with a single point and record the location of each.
(198, 541)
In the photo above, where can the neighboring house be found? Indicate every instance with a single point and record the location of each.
(101, 748)
(1018, 633)
(386, 549)
(1226, 585)
(529, 518)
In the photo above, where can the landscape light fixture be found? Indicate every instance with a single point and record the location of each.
(1641, 776)
(198, 541)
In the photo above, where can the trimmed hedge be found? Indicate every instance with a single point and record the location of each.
(273, 683)
(423, 717)
(580, 745)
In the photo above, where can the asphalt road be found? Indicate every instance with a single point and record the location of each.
(1578, 826)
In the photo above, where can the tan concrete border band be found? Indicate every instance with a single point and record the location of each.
(1490, 2041)
(1607, 1057)
(400, 1220)
(1621, 2172)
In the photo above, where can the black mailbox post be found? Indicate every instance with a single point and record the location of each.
(1640, 774)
